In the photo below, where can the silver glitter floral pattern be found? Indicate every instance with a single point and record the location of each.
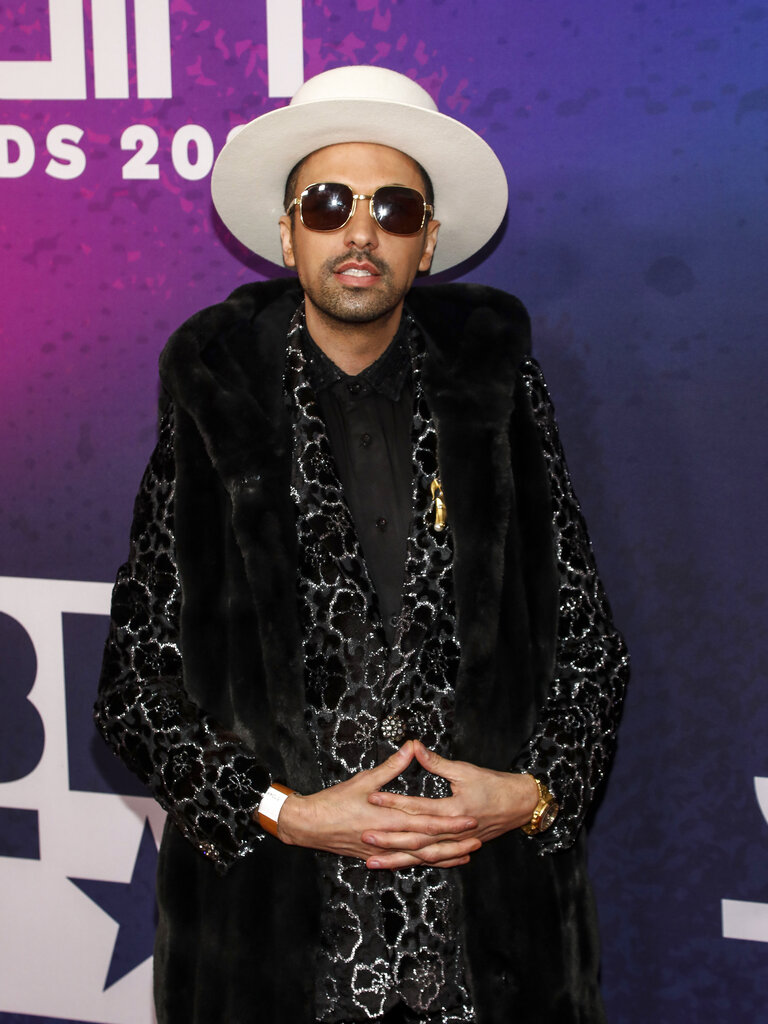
(387, 936)
(575, 735)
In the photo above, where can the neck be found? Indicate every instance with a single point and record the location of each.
(352, 346)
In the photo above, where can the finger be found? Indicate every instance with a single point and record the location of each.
(433, 762)
(431, 826)
(392, 767)
(397, 840)
(392, 861)
(435, 855)
(457, 862)
(424, 848)
(412, 840)
(408, 804)
(448, 850)
(427, 812)
(395, 861)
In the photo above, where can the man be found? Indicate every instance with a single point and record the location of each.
(360, 651)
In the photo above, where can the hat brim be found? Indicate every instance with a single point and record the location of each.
(470, 185)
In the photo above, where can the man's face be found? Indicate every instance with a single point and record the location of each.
(358, 273)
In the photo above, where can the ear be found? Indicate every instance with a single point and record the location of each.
(430, 242)
(286, 239)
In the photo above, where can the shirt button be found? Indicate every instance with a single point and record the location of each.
(354, 387)
(381, 523)
(394, 619)
(365, 440)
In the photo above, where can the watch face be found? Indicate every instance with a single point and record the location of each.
(548, 815)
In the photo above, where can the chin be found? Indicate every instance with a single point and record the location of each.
(356, 309)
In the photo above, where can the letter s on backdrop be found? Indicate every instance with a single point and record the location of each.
(67, 159)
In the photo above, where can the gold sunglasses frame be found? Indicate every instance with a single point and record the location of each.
(361, 195)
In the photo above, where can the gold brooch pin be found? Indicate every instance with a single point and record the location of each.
(440, 510)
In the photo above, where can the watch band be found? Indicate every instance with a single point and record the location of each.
(271, 805)
(545, 811)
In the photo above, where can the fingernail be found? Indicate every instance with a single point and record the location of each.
(374, 863)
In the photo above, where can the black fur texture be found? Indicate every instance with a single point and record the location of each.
(239, 948)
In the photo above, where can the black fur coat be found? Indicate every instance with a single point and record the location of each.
(539, 687)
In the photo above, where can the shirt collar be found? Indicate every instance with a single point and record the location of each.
(385, 376)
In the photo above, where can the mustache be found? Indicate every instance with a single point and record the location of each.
(359, 256)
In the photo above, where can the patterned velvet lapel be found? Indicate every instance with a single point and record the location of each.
(331, 527)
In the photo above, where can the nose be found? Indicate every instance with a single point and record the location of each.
(361, 230)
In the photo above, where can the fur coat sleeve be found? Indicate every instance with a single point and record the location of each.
(207, 779)
(573, 740)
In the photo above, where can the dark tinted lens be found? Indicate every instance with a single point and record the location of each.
(326, 207)
(398, 210)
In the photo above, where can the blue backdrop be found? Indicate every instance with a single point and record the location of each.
(634, 138)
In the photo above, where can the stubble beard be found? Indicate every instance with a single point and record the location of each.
(349, 305)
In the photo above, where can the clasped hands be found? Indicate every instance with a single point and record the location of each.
(356, 819)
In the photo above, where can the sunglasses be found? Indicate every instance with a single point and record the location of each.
(327, 206)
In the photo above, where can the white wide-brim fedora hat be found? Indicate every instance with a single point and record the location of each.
(361, 104)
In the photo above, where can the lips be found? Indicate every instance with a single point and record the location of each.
(353, 268)
(357, 274)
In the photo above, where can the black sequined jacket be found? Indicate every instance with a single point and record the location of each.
(202, 691)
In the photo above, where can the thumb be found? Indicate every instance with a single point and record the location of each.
(433, 762)
(393, 766)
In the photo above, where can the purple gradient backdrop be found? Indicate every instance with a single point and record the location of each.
(634, 137)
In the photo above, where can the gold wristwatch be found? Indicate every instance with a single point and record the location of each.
(544, 813)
